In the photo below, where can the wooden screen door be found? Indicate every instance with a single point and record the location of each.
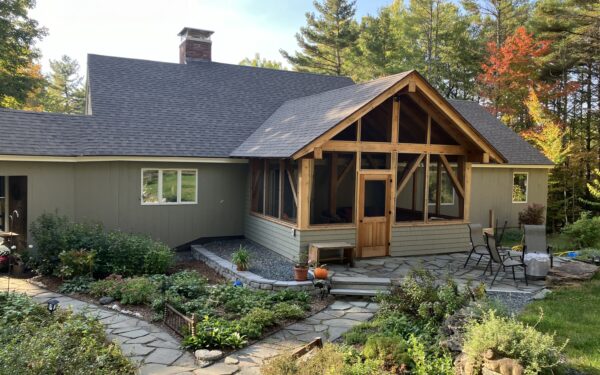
(373, 215)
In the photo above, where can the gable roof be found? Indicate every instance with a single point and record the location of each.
(208, 109)
(299, 121)
(512, 146)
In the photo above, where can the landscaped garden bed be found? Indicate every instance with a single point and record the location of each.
(426, 327)
(35, 341)
(139, 276)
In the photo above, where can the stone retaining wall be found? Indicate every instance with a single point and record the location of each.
(228, 270)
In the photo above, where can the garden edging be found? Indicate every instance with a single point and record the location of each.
(228, 270)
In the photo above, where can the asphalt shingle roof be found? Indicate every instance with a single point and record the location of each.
(208, 109)
(299, 121)
(511, 145)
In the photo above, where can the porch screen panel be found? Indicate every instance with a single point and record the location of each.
(272, 190)
(445, 202)
(258, 186)
(290, 191)
(412, 127)
(377, 124)
(411, 187)
(333, 189)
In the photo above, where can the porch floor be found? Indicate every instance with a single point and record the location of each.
(442, 265)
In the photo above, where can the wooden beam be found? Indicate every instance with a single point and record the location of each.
(304, 192)
(409, 172)
(412, 86)
(467, 200)
(402, 148)
(265, 181)
(355, 116)
(333, 184)
(318, 153)
(293, 185)
(426, 190)
(395, 120)
(346, 170)
(457, 185)
(438, 191)
(428, 129)
(485, 158)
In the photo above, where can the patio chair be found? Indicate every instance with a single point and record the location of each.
(535, 242)
(478, 245)
(503, 262)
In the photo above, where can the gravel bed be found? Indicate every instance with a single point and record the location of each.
(514, 302)
(263, 262)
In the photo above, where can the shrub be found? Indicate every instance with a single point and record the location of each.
(110, 287)
(533, 214)
(189, 284)
(79, 284)
(137, 291)
(359, 334)
(285, 310)
(76, 263)
(425, 363)
(32, 342)
(214, 333)
(299, 297)
(509, 338)
(158, 259)
(391, 349)
(49, 232)
(584, 232)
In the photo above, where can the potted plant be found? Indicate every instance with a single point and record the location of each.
(241, 259)
(301, 268)
(321, 271)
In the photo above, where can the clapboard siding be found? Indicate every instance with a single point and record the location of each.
(274, 236)
(423, 240)
(329, 235)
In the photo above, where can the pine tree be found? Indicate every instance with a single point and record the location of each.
(326, 38)
(497, 19)
(259, 62)
(65, 92)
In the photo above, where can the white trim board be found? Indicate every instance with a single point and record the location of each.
(89, 159)
(514, 166)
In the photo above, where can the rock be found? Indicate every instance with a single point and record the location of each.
(231, 360)
(115, 307)
(570, 273)
(106, 300)
(541, 294)
(208, 355)
(502, 366)
(218, 369)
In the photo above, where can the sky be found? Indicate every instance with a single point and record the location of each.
(147, 29)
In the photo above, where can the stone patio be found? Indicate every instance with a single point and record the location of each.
(442, 265)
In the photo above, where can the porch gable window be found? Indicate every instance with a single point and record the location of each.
(169, 186)
(519, 187)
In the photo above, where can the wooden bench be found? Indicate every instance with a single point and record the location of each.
(344, 254)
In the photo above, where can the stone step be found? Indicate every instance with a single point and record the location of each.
(380, 281)
(356, 292)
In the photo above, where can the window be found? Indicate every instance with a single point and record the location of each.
(169, 186)
(446, 187)
(519, 187)
(274, 187)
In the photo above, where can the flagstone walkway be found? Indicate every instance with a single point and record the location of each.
(158, 353)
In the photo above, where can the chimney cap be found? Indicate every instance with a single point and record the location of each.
(195, 34)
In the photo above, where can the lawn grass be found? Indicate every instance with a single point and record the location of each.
(574, 314)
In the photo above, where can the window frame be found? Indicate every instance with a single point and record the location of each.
(160, 186)
(512, 186)
(452, 185)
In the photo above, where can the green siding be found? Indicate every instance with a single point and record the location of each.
(279, 238)
(491, 188)
(429, 239)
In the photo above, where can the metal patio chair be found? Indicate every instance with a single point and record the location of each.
(535, 241)
(503, 261)
(478, 245)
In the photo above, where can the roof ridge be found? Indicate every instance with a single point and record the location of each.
(58, 114)
(404, 74)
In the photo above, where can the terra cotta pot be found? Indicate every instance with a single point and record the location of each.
(300, 273)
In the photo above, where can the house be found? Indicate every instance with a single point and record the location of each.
(203, 149)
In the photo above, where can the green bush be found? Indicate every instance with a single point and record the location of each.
(34, 342)
(189, 284)
(285, 310)
(392, 349)
(252, 324)
(158, 259)
(214, 333)
(427, 363)
(587, 253)
(584, 232)
(533, 214)
(359, 334)
(79, 284)
(109, 287)
(137, 291)
(509, 338)
(76, 263)
(50, 234)
(420, 297)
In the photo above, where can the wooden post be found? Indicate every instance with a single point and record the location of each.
(193, 323)
(491, 218)
(438, 191)
(467, 200)
(427, 161)
(304, 192)
(265, 182)
(333, 183)
(281, 176)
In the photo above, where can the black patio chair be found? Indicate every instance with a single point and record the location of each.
(503, 261)
(478, 245)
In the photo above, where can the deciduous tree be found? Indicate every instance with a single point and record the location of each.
(259, 62)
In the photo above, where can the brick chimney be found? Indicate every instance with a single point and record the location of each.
(195, 45)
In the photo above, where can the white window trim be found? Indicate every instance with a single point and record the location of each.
(512, 185)
(160, 183)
